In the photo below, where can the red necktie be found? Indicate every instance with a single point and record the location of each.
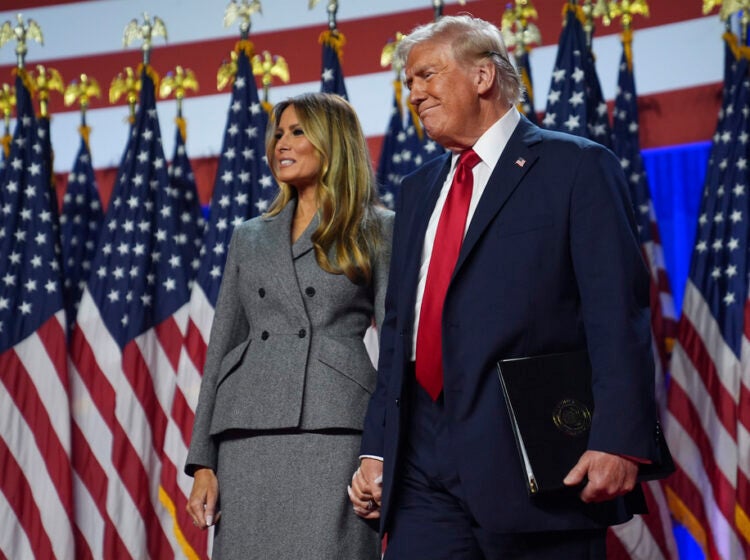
(448, 239)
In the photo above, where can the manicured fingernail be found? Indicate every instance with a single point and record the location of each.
(209, 520)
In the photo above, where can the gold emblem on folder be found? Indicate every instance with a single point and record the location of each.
(571, 417)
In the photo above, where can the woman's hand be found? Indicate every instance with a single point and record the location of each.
(366, 488)
(203, 497)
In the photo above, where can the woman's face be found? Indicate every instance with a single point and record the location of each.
(295, 160)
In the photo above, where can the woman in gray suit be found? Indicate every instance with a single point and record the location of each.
(287, 376)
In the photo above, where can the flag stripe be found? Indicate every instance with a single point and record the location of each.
(22, 501)
(170, 338)
(144, 419)
(43, 514)
(691, 485)
(183, 416)
(716, 467)
(48, 460)
(100, 364)
(722, 400)
(90, 487)
(35, 395)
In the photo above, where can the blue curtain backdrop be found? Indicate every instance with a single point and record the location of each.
(676, 176)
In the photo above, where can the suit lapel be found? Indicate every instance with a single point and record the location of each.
(423, 206)
(304, 242)
(277, 255)
(516, 160)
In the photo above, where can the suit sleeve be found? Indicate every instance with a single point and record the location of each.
(374, 424)
(229, 329)
(614, 287)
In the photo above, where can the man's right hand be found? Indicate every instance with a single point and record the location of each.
(365, 491)
(203, 497)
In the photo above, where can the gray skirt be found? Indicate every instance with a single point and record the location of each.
(283, 496)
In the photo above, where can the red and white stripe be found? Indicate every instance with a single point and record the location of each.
(645, 537)
(36, 505)
(708, 433)
(189, 374)
(679, 74)
(121, 403)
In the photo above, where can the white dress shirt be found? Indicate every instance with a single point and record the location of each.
(488, 147)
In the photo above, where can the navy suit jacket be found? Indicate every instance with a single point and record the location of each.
(550, 263)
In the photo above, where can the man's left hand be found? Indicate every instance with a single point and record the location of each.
(608, 476)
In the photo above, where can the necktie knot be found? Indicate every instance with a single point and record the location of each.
(468, 159)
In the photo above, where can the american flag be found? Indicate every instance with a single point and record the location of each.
(389, 165)
(524, 67)
(331, 74)
(80, 226)
(575, 103)
(183, 190)
(36, 496)
(243, 189)
(124, 356)
(708, 421)
(646, 537)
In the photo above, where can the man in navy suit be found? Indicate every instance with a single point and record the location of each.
(548, 262)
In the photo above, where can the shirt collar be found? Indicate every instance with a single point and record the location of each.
(491, 144)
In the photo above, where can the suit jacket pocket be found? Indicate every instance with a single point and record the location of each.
(349, 358)
(231, 360)
(515, 226)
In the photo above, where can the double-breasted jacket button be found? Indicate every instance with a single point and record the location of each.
(262, 292)
(264, 335)
(310, 291)
(302, 333)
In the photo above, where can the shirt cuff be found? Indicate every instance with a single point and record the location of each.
(371, 457)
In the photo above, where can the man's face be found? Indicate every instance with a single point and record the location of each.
(443, 93)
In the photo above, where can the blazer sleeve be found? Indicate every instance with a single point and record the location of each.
(230, 328)
(614, 287)
(381, 266)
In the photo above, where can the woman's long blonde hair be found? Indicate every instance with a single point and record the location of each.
(349, 232)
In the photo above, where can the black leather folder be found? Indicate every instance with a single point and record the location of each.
(550, 405)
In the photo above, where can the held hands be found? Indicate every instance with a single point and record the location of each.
(365, 491)
(608, 476)
(203, 497)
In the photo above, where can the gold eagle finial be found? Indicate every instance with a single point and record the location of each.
(45, 81)
(177, 83)
(146, 31)
(518, 31)
(22, 33)
(241, 10)
(267, 67)
(126, 83)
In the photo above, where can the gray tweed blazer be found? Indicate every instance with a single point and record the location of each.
(286, 348)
